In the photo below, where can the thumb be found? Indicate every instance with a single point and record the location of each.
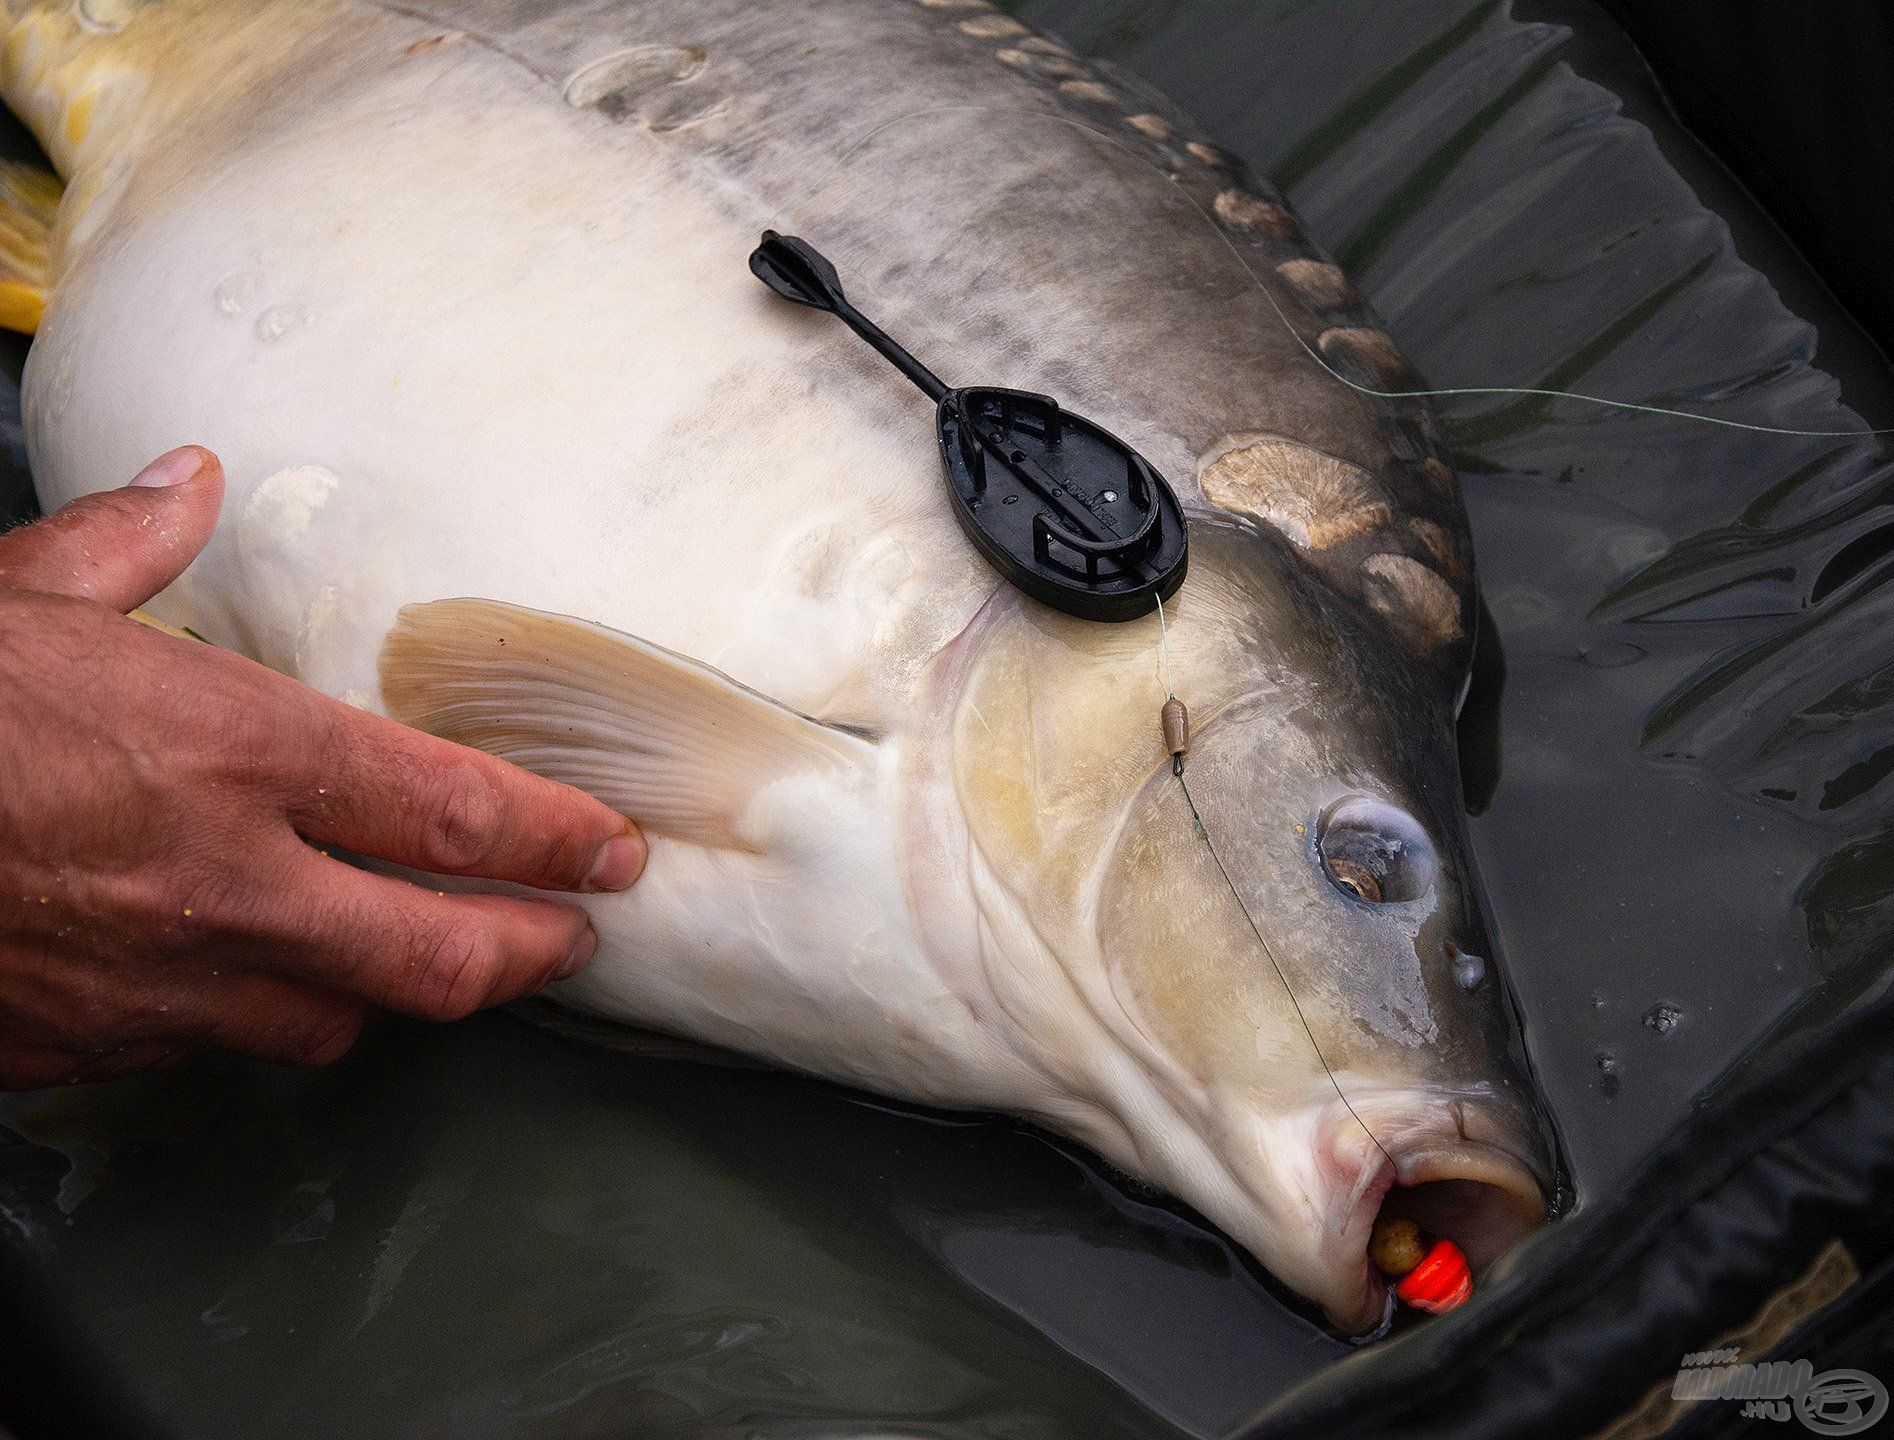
(121, 547)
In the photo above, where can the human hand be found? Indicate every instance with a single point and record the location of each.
(167, 807)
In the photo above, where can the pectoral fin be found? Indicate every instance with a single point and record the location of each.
(29, 199)
(680, 747)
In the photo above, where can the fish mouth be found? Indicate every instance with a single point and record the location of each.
(1479, 1193)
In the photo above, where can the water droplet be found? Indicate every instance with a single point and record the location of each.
(237, 293)
(1663, 1018)
(1469, 971)
(1607, 1073)
(278, 321)
(1110, 495)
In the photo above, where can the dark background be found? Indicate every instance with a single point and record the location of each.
(1796, 99)
(1679, 750)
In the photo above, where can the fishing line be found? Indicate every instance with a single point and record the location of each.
(1203, 832)
(1175, 717)
(1164, 652)
(854, 147)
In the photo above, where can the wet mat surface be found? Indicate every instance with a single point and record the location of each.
(1680, 749)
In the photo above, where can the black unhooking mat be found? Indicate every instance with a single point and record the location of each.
(1679, 752)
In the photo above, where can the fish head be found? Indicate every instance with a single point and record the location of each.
(1296, 923)
(1301, 1022)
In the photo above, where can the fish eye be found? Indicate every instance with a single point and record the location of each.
(1375, 852)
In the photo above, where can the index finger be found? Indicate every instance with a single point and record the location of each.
(378, 788)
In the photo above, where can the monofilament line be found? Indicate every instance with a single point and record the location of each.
(1237, 895)
(1164, 650)
(852, 148)
(1203, 831)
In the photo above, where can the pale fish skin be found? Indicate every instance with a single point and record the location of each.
(458, 291)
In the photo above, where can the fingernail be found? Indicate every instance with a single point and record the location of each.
(581, 953)
(618, 864)
(171, 468)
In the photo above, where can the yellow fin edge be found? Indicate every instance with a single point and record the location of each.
(29, 204)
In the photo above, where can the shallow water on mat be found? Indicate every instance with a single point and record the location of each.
(1680, 749)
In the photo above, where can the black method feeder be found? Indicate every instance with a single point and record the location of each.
(1062, 508)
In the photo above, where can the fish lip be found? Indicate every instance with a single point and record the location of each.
(1374, 1296)
(1510, 1204)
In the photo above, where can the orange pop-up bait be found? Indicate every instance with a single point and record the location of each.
(1440, 1282)
(1432, 1278)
